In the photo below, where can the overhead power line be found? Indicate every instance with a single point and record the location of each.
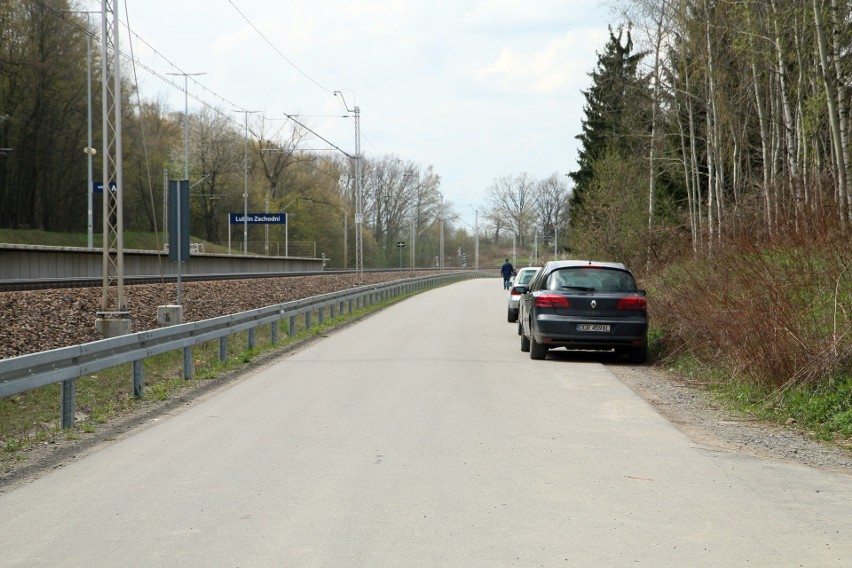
(278, 51)
(175, 84)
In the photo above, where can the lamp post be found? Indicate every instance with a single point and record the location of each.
(89, 150)
(186, 118)
(186, 174)
(359, 213)
(476, 239)
(245, 175)
(441, 236)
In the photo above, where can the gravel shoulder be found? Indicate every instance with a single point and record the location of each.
(692, 410)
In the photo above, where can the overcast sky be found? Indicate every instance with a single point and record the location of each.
(478, 89)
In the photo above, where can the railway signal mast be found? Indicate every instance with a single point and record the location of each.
(113, 318)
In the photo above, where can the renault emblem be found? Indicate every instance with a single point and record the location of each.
(594, 304)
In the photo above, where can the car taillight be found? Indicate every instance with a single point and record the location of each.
(547, 300)
(632, 303)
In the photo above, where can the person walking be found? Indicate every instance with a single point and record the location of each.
(507, 271)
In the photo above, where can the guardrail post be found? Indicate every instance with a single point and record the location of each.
(67, 404)
(223, 348)
(308, 319)
(291, 327)
(139, 379)
(187, 363)
(251, 338)
(321, 314)
(273, 332)
(332, 308)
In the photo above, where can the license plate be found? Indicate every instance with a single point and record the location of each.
(601, 328)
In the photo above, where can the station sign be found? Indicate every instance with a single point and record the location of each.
(258, 218)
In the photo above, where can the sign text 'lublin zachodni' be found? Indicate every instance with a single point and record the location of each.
(259, 218)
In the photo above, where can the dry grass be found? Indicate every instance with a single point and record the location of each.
(779, 316)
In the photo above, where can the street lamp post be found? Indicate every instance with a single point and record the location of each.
(441, 236)
(186, 118)
(186, 176)
(245, 174)
(359, 213)
(476, 240)
(89, 150)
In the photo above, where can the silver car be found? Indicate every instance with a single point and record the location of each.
(522, 278)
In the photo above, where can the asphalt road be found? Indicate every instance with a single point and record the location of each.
(422, 436)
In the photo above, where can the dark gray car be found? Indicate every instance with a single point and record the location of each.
(584, 305)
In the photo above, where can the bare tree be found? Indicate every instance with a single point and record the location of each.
(216, 157)
(512, 201)
(551, 207)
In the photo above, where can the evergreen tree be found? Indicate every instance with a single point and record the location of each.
(606, 127)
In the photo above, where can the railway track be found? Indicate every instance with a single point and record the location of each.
(49, 317)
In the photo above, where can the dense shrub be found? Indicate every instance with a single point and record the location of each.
(778, 317)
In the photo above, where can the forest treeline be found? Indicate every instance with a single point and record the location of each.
(715, 160)
(43, 168)
(705, 120)
(710, 120)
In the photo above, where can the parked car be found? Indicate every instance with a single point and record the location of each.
(522, 278)
(583, 305)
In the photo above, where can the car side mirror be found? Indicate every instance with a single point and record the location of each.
(641, 292)
(521, 289)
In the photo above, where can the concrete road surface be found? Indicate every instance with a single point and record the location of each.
(422, 436)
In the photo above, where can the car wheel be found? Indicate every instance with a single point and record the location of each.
(537, 350)
(525, 343)
(512, 315)
(638, 355)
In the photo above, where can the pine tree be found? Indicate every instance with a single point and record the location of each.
(606, 128)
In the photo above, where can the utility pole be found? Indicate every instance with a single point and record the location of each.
(441, 236)
(88, 150)
(186, 119)
(359, 212)
(245, 174)
(186, 177)
(113, 319)
(476, 250)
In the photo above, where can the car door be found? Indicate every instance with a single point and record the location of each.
(525, 304)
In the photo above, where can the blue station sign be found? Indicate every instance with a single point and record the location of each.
(258, 218)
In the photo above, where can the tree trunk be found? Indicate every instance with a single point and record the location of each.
(793, 170)
(841, 192)
(842, 109)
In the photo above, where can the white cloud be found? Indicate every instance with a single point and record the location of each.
(478, 88)
(559, 67)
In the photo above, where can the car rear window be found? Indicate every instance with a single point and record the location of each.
(597, 279)
(525, 276)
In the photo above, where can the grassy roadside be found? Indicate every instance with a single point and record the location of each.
(767, 330)
(32, 418)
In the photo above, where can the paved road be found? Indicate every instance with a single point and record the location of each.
(422, 436)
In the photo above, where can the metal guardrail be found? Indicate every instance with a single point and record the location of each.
(64, 365)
